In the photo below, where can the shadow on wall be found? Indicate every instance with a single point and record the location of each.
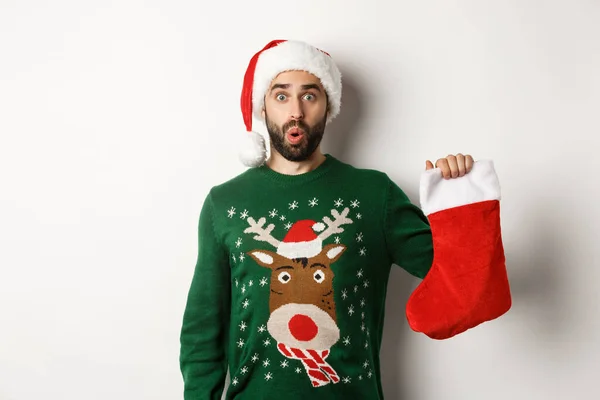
(539, 278)
(340, 132)
(338, 140)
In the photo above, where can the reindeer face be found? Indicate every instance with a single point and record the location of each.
(301, 302)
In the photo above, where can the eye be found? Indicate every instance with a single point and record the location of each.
(284, 277)
(280, 97)
(319, 276)
(309, 97)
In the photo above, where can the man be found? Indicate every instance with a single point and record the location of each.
(294, 254)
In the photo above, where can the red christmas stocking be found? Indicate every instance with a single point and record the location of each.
(468, 283)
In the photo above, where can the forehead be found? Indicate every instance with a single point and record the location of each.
(296, 79)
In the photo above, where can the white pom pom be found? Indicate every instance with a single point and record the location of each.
(253, 152)
(318, 227)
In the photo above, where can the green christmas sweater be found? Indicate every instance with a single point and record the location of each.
(289, 287)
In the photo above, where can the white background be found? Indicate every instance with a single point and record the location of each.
(117, 117)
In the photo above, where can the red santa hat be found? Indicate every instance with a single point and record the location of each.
(301, 240)
(276, 57)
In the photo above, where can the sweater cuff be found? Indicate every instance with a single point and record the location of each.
(438, 194)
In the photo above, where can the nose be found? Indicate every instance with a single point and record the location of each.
(303, 328)
(296, 111)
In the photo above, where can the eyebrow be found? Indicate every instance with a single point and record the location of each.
(303, 87)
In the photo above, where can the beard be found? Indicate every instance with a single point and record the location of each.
(303, 150)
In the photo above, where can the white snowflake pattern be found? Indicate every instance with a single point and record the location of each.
(234, 381)
(363, 251)
(344, 294)
(351, 310)
(263, 282)
(262, 329)
(359, 273)
(238, 242)
(231, 212)
(362, 327)
(244, 370)
(370, 374)
(366, 364)
(288, 225)
(337, 240)
(355, 288)
(266, 363)
(254, 357)
(236, 282)
(246, 303)
(360, 378)
(358, 216)
(366, 345)
(346, 379)
(366, 284)
(363, 302)
(282, 218)
(293, 205)
(298, 370)
(347, 340)
(243, 288)
(359, 237)
(243, 326)
(354, 203)
(362, 315)
(284, 363)
(233, 257)
(267, 342)
(241, 257)
(339, 202)
(240, 343)
(244, 214)
(273, 213)
(251, 282)
(268, 376)
(313, 202)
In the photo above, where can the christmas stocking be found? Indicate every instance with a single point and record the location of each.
(467, 283)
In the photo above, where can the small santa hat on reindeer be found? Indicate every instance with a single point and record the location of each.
(302, 241)
(276, 57)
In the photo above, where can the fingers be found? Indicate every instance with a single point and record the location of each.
(461, 165)
(428, 165)
(442, 164)
(469, 163)
(454, 166)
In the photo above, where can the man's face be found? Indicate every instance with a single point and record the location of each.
(295, 114)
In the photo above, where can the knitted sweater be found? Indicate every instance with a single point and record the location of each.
(289, 286)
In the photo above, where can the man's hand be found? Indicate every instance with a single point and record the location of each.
(453, 166)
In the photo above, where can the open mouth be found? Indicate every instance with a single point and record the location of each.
(295, 135)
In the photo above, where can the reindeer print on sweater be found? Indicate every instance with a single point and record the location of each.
(302, 309)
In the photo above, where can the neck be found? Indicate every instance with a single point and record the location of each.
(279, 164)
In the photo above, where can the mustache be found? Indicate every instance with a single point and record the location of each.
(296, 124)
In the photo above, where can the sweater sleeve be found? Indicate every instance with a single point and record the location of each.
(407, 233)
(203, 359)
(468, 283)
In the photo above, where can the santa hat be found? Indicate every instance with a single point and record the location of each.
(276, 57)
(301, 240)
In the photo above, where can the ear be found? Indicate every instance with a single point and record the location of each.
(333, 251)
(265, 258)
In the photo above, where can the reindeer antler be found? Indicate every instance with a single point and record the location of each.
(263, 234)
(334, 226)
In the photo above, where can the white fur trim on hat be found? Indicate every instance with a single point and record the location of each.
(293, 250)
(298, 56)
(253, 150)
